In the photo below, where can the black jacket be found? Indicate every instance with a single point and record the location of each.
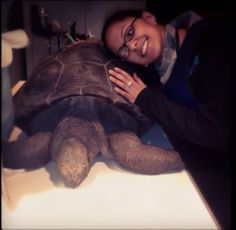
(201, 134)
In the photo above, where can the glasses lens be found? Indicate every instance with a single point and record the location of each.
(124, 52)
(129, 34)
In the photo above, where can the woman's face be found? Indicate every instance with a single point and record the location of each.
(138, 40)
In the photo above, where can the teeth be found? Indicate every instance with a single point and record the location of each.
(144, 49)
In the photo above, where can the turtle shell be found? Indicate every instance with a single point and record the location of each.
(76, 71)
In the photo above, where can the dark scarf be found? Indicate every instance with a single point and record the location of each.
(171, 43)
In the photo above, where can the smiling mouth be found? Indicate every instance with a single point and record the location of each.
(144, 48)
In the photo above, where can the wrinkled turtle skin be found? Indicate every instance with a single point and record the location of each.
(71, 114)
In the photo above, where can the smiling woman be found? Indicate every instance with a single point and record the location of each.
(142, 49)
(181, 59)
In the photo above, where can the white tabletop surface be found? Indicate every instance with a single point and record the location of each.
(109, 198)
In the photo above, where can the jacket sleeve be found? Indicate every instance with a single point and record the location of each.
(207, 125)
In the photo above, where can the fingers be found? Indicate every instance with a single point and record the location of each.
(120, 83)
(136, 78)
(120, 74)
(128, 86)
(124, 94)
(121, 78)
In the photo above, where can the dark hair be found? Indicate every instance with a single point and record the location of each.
(117, 17)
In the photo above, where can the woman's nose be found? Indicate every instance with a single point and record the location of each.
(132, 45)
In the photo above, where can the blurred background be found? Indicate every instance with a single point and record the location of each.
(48, 22)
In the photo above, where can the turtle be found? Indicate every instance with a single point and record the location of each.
(70, 114)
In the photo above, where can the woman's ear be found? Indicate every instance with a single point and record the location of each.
(149, 17)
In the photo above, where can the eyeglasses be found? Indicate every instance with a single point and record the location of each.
(123, 51)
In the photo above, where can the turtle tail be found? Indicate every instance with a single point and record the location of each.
(29, 153)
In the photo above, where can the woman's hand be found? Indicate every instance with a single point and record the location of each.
(129, 86)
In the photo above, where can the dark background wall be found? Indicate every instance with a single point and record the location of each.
(165, 10)
(90, 15)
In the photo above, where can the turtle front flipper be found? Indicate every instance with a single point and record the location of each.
(75, 144)
(148, 159)
(29, 153)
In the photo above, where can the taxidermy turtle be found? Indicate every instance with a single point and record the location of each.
(71, 114)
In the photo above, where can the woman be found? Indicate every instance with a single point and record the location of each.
(189, 58)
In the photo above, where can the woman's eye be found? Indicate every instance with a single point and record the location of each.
(129, 35)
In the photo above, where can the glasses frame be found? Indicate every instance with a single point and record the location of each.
(124, 48)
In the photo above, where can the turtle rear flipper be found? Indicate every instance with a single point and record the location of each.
(76, 142)
(28, 153)
(142, 158)
(73, 162)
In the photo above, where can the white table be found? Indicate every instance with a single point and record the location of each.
(109, 198)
